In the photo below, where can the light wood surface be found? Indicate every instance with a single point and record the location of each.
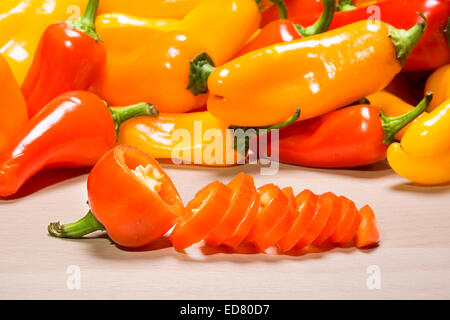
(413, 258)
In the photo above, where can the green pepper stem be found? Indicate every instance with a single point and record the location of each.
(245, 144)
(345, 5)
(323, 23)
(282, 9)
(86, 23)
(200, 69)
(392, 125)
(82, 227)
(404, 41)
(120, 115)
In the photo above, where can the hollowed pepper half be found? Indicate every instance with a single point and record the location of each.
(130, 196)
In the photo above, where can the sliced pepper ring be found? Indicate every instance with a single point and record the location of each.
(282, 226)
(273, 205)
(244, 227)
(306, 202)
(202, 215)
(323, 212)
(243, 196)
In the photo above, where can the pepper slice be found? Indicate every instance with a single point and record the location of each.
(245, 226)
(368, 233)
(347, 215)
(131, 219)
(332, 222)
(323, 211)
(202, 215)
(272, 206)
(243, 196)
(282, 226)
(306, 203)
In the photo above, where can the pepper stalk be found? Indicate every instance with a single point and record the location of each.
(86, 23)
(392, 125)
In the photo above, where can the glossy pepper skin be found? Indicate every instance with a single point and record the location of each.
(294, 7)
(22, 23)
(159, 138)
(219, 27)
(423, 155)
(302, 74)
(349, 137)
(131, 219)
(69, 57)
(74, 130)
(433, 49)
(284, 30)
(13, 109)
(150, 9)
(439, 83)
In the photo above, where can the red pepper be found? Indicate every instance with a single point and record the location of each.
(74, 130)
(350, 137)
(130, 196)
(284, 30)
(431, 52)
(294, 7)
(69, 57)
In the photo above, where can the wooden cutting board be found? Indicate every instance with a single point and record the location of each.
(412, 260)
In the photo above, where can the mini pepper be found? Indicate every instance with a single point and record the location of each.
(13, 109)
(69, 57)
(317, 74)
(131, 219)
(74, 130)
(423, 155)
(350, 137)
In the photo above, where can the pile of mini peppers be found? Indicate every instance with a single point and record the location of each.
(319, 71)
(219, 214)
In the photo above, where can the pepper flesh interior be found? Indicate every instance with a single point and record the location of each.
(150, 176)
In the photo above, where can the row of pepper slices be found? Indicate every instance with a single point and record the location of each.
(219, 214)
(250, 69)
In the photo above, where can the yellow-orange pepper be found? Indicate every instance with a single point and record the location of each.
(439, 83)
(423, 155)
(317, 74)
(153, 65)
(392, 106)
(23, 21)
(196, 138)
(150, 8)
(13, 109)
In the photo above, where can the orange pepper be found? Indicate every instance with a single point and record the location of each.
(439, 83)
(317, 74)
(150, 8)
(393, 106)
(153, 65)
(13, 109)
(160, 138)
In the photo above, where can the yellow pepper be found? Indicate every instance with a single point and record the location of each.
(392, 106)
(113, 26)
(145, 64)
(439, 83)
(22, 23)
(150, 8)
(196, 138)
(423, 155)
